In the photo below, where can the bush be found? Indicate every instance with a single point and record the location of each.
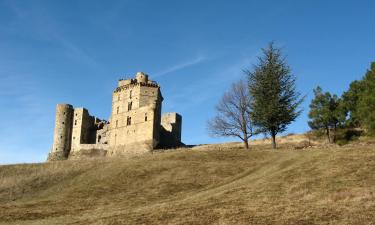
(346, 135)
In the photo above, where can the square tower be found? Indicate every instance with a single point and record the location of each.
(136, 115)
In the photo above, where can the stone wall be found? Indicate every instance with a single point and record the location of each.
(84, 131)
(103, 132)
(171, 126)
(88, 151)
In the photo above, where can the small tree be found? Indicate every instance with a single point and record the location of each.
(233, 114)
(273, 89)
(326, 112)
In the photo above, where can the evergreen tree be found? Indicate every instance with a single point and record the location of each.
(351, 100)
(326, 112)
(275, 99)
(366, 103)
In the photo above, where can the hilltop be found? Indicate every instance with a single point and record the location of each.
(209, 184)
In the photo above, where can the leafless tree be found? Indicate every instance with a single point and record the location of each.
(233, 114)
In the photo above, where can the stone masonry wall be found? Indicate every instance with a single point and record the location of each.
(170, 136)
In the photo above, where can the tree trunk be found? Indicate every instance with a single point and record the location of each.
(246, 143)
(273, 140)
(328, 134)
(334, 134)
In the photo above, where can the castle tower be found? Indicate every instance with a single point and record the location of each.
(63, 132)
(136, 115)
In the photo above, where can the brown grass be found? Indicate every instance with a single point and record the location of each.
(220, 184)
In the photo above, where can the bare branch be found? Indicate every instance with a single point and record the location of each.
(233, 114)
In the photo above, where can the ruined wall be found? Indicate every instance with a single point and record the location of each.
(103, 132)
(62, 134)
(84, 131)
(171, 126)
(89, 151)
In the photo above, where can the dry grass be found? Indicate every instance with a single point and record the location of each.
(222, 184)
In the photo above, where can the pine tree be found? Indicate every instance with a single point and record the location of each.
(351, 99)
(366, 104)
(326, 112)
(273, 89)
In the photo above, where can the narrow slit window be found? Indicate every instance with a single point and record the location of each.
(130, 106)
(130, 94)
(145, 116)
(116, 123)
(118, 110)
(129, 121)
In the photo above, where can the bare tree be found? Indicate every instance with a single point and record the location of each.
(233, 114)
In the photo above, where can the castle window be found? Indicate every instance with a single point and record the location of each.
(130, 106)
(75, 122)
(130, 94)
(61, 137)
(116, 123)
(99, 138)
(118, 109)
(129, 121)
(63, 122)
(145, 116)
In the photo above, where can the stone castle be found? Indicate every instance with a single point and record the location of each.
(136, 125)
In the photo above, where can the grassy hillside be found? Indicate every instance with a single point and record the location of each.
(221, 184)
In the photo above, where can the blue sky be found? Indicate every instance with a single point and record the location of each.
(75, 51)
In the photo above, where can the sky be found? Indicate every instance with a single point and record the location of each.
(75, 52)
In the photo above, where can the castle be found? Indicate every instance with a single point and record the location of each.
(136, 125)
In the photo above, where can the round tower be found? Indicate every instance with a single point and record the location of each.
(141, 77)
(63, 132)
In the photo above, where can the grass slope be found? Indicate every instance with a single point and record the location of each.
(202, 186)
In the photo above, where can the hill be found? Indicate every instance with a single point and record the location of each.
(213, 184)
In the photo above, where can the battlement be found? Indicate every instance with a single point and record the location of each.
(141, 79)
